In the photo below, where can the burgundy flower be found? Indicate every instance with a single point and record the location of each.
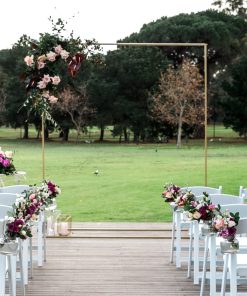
(203, 212)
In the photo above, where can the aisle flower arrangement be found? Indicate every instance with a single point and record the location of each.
(224, 224)
(201, 210)
(27, 207)
(6, 162)
(171, 192)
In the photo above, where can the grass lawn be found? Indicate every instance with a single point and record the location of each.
(131, 177)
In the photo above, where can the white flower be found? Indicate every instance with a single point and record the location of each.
(9, 154)
(55, 80)
(51, 56)
(46, 78)
(64, 54)
(29, 60)
(58, 49)
(23, 232)
(231, 223)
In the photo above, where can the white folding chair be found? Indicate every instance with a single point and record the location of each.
(11, 260)
(236, 264)
(179, 223)
(16, 189)
(212, 246)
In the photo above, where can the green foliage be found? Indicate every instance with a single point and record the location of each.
(235, 102)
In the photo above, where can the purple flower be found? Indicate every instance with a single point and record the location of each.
(203, 212)
(6, 163)
(228, 232)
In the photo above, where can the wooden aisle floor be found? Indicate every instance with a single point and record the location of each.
(111, 259)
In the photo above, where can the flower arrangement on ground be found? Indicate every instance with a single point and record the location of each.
(201, 210)
(6, 163)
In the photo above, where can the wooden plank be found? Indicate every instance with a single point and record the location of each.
(101, 266)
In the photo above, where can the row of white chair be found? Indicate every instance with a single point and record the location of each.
(178, 224)
(8, 197)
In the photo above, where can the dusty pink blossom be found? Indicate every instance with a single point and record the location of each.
(55, 80)
(58, 49)
(41, 84)
(64, 54)
(32, 196)
(46, 78)
(53, 99)
(41, 65)
(219, 223)
(51, 56)
(197, 215)
(211, 207)
(29, 60)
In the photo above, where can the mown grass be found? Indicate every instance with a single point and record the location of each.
(131, 177)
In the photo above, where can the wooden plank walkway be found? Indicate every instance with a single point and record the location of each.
(92, 262)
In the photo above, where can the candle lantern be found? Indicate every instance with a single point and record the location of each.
(64, 225)
(51, 218)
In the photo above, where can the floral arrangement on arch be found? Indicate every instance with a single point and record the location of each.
(6, 162)
(27, 207)
(224, 224)
(47, 62)
(201, 210)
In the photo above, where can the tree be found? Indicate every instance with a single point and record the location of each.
(77, 105)
(232, 6)
(179, 98)
(235, 100)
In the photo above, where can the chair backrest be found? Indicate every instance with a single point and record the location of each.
(241, 208)
(7, 199)
(4, 210)
(198, 190)
(225, 199)
(243, 192)
(14, 189)
(242, 226)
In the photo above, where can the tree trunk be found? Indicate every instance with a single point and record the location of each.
(180, 122)
(66, 134)
(125, 135)
(102, 132)
(46, 133)
(136, 137)
(25, 136)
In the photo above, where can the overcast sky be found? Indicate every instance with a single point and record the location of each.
(104, 20)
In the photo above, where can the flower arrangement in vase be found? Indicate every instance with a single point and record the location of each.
(6, 162)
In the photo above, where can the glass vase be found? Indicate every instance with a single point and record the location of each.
(206, 228)
(229, 245)
(64, 225)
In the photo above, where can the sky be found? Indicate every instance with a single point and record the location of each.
(105, 20)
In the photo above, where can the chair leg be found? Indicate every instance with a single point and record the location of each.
(2, 274)
(25, 260)
(204, 271)
(223, 285)
(173, 234)
(12, 274)
(233, 274)
(31, 256)
(23, 293)
(196, 252)
(40, 242)
(44, 239)
(213, 265)
(190, 251)
(178, 239)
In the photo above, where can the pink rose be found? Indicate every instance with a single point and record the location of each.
(219, 223)
(64, 54)
(211, 207)
(32, 196)
(51, 56)
(53, 99)
(29, 60)
(41, 84)
(58, 49)
(46, 78)
(55, 80)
